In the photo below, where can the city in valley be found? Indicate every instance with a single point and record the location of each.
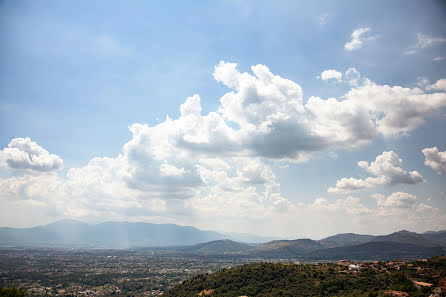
(151, 272)
(104, 272)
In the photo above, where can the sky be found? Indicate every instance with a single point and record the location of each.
(279, 118)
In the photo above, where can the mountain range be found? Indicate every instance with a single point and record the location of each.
(401, 244)
(186, 239)
(350, 246)
(69, 233)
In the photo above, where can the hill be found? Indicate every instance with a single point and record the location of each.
(348, 239)
(279, 279)
(109, 234)
(384, 250)
(402, 244)
(249, 238)
(282, 248)
(406, 237)
(220, 247)
(438, 236)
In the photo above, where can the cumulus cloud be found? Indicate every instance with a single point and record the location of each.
(351, 76)
(273, 122)
(216, 169)
(387, 170)
(439, 85)
(170, 170)
(397, 199)
(231, 200)
(358, 39)
(345, 185)
(388, 166)
(397, 211)
(396, 110)
(331, 74)
(24, 154)
(435, 159)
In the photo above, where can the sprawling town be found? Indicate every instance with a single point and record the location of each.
(63, 272)
(147, 272)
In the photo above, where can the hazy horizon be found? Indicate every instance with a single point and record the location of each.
(210, 230)
(287, 119)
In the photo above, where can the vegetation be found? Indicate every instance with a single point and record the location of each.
(275, 279)
(12, 292)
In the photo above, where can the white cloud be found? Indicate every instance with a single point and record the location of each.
(24, 154)
(388, 166)
(231, 200)
(170, 170)
(439, 58)
(346, 185)
(214, 170)
(274, 123)
(427, 41)
(397, 199)
(424, 41)
(358, 39)
(352, 76)
(331, 74)
(387, 170)
(396, 110)
(439, 85)
(435, 159)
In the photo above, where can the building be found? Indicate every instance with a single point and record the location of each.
(420, 285)
(345, 262)
(396, 293)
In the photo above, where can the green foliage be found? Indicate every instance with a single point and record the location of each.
(273, 279)
(12, 292)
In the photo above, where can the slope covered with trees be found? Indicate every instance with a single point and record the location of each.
(275, 279)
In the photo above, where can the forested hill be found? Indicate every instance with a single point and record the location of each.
(274, 279)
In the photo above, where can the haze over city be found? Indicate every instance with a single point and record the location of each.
(285, 119)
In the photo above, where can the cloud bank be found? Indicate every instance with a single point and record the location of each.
(216, 170)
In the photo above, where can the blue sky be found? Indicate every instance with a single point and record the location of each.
(75, 75)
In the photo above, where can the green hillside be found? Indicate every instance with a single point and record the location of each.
(274, 279)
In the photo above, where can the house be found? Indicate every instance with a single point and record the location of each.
(353, 267)
(396, 293)
(345, 262)
(365, 264)
(420, 285)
